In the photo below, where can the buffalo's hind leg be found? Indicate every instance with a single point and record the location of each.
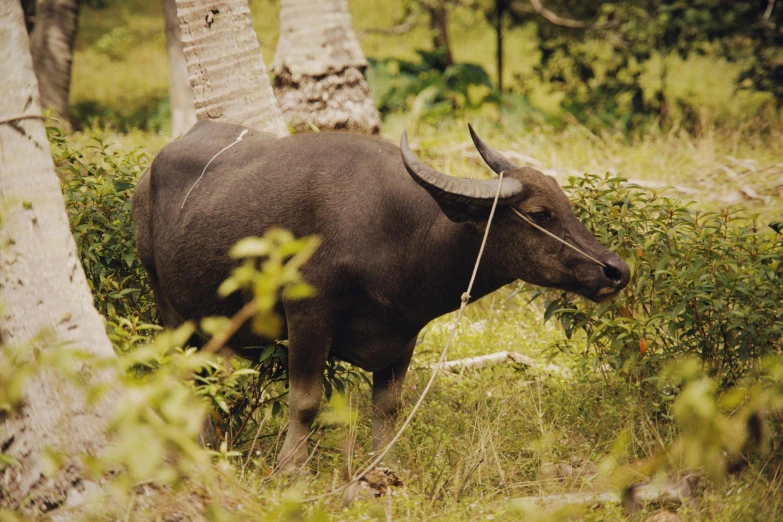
(387, 396)
(309, 342)
(171, 319)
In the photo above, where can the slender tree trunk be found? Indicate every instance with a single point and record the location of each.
(51, 44)
(319, 69)
(227, 72)
(500, 11)
(439, 21)
(44, 298)
(183, 113)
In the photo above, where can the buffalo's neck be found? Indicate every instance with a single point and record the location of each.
(441, 262)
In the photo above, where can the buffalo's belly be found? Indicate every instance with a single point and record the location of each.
(371, 344)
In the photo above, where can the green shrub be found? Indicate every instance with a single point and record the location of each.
(116, 43)
(98, 183)
(427, 88)
(707, 284)
(600, 69)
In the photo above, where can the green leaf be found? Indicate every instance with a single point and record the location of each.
(251, 247)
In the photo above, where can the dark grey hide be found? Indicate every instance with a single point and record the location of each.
(399, 241)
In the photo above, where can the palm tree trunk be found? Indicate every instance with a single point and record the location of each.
(319, 68)
(227, 72)
(183, 113)
(43, 290)
(51, 44)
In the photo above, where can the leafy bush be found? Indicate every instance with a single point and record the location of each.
(707, 284)
(599, 66)
(116, 43)
(427, 88)
(98, 184)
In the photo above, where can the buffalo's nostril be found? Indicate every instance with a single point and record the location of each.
(613, 273)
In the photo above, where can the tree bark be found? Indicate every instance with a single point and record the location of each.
(500, 9)
(319, 69)
(51, 44)
(439, 22)
(227, 72)
(183, 113)
(44, 298)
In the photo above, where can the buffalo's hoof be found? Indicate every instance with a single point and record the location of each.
(376, 483)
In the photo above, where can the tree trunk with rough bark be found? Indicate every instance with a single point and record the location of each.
(319, 69)
(183, 113)
(43, 290)
(227, 72)
(501, 6)
(51, 44)
(439, 22)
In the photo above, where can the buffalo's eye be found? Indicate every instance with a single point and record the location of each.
(541, 216)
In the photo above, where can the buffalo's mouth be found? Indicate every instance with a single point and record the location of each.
(614, 276)
(604, 294)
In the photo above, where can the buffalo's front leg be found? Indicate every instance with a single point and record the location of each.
(386, 397)
(308, 348)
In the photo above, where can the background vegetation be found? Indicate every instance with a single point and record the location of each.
(666, 379)
(699, 59)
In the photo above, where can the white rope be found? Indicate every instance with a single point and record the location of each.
(550, 234)
(463, 304)
(224, 149)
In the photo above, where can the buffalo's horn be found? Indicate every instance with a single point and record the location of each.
(458, 190)
(493, 158)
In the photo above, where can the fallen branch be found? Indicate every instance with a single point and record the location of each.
(552, 17)
(555, 19)
(655, 492)
(496, 358)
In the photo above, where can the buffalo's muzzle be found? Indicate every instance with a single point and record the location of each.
(617, 274)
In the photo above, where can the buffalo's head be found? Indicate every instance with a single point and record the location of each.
(518, 247)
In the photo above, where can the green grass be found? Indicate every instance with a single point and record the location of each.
(477, 445)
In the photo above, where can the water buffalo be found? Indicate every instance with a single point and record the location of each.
(399, 241)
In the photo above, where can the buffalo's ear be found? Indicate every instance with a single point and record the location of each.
(460, 199)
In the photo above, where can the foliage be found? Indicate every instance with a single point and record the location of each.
(720, 427)
(721, 430)
(98, 183)
(428, 88)
(159, 409)
(599, 64)
(115, 44)
(133, 93)
(707, 284)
